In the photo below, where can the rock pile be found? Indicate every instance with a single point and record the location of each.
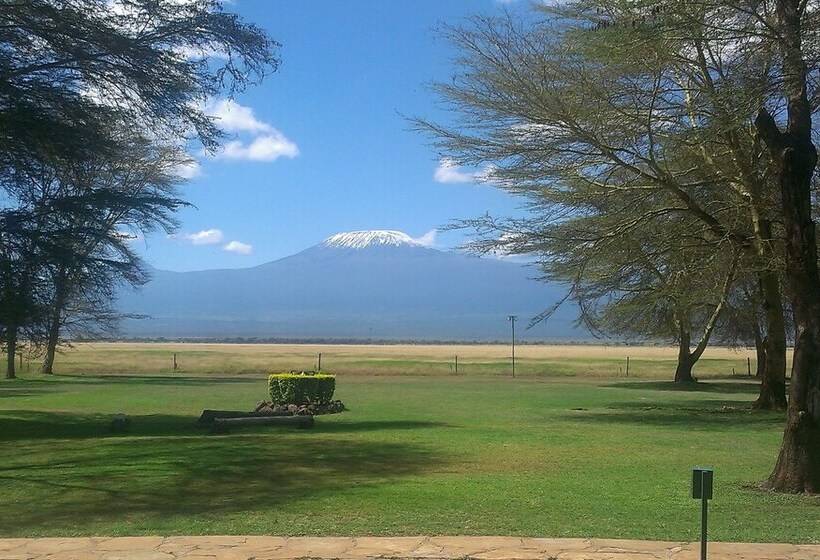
(266, 408)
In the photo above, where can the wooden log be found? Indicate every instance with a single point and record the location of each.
(223, 424)
(208, 416)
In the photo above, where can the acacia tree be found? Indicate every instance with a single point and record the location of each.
(743, 325)
(607, 96)
(67, 67)
(76, 74)
(102, 204)
(22, 294)
(564, 113)
(770, 51)
(778, 40)
(794, 158)
(640, 279)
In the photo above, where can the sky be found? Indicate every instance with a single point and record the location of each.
(324, 145)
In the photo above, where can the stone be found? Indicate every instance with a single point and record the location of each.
(260, 405)
(128, 543)
(137, 555)
(327, 547)
(366, 548)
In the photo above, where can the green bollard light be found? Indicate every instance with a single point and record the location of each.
(702, 482)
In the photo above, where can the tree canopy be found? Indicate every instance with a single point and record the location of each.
(664, 150)
(99, 102)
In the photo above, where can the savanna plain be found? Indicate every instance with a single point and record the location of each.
(569, 447)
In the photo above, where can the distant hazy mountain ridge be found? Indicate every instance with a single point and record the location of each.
(377, 284)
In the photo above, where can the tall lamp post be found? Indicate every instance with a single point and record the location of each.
(512, 319)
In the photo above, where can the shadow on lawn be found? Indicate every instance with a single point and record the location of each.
(27, 387)
(751, 387)
(150, 480)
(375, 425)
(23, 391)
(23, 425)
(706, 414)
(161, 380)
(26, 425)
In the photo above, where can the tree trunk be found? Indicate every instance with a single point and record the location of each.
(760, 352)
(686, 356)
(11, 351)
(55, 322)
(683, 373)
(795, 157)
(773, 381)
(51, 348)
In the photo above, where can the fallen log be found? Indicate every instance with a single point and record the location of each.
(208, 416)
(223, 424)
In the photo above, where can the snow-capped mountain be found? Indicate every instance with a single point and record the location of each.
(372, 238)
(364, 284)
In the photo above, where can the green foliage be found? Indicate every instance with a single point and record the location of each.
(82, 174)
(301, 388)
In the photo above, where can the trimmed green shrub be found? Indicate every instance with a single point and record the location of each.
(301, 388)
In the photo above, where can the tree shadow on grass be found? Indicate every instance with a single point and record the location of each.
(23, 425)
(159, 380)
(28, 387)
(729, 387)
(27, 425)
(706, 414)
(375, 425)
(72, 487)
(23, 391)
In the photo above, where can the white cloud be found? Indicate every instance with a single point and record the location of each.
(269, 147)
(238, 247)
(513, 247)
(448, 172)
(188, 170)
(428, 239)
(205, 237)
(266, 143)
(233, 117)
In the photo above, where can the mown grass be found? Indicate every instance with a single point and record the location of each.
(413, 455)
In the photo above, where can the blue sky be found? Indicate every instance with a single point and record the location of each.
(322, 146)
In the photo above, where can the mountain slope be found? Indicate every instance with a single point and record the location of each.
(374, 284)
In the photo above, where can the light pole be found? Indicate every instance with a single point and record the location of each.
(512, 319)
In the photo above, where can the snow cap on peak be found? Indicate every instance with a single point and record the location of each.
(371, 238)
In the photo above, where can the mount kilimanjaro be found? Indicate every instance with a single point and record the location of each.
(377, 285)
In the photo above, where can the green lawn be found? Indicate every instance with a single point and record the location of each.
(413, 455)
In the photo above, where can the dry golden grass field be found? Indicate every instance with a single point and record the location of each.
(647, 362)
